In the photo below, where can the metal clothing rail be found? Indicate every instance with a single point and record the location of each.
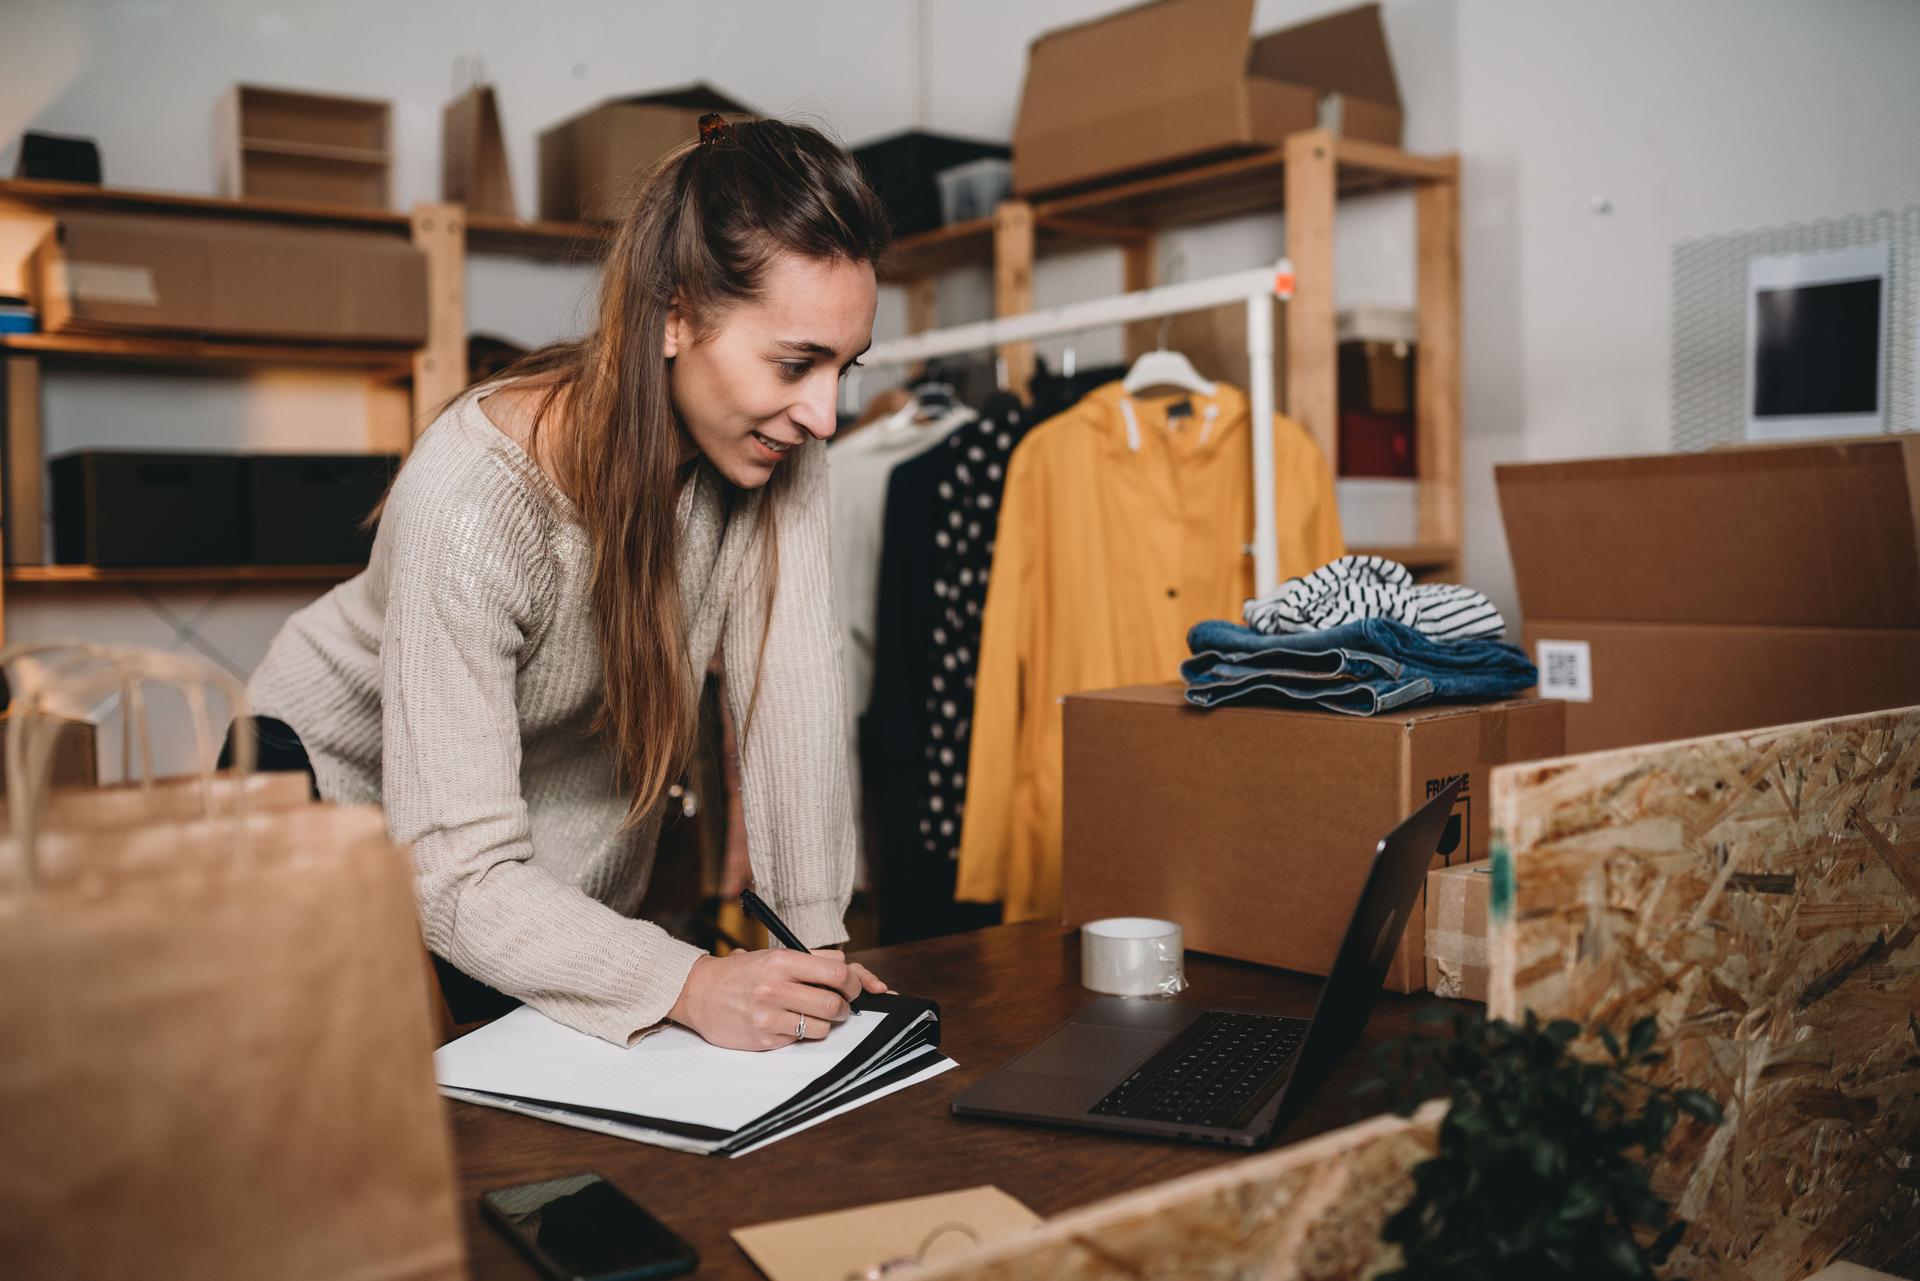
(1257, 288)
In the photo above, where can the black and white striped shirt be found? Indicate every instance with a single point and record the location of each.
(1357, 587)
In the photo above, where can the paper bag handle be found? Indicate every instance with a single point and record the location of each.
(82, 671)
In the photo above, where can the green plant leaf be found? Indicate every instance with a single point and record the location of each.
(1562, 1031)
(1584, 1201)
(1607, 1039)
(1699, 1105)
(1640, 1040)
(1623, 1256)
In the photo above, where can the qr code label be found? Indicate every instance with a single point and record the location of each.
(1566, 670)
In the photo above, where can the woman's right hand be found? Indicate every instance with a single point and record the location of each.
(755, 1000)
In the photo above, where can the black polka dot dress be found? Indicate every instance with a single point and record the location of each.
(942, 511)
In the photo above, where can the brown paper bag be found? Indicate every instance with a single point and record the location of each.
(473, 157)
(215, 1045)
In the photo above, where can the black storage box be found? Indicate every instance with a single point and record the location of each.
(310, 509)
(901, 170)
(127, 509)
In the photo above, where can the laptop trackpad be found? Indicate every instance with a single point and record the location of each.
(1089, 1050)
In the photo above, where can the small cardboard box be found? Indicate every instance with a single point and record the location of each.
(1457, 900)
(591, 165)
(1176, 82)
(112, 273)
(1254, 827)
(1679, 595)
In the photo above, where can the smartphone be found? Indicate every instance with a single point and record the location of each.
(579, 1227)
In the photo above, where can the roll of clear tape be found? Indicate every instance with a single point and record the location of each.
(1132, 956)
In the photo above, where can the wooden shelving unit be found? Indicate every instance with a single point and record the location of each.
(170, 576)
(1306, 178)
(385, 361)
(555, 241)
(411, 381)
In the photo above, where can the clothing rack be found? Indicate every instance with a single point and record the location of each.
(1256, 287)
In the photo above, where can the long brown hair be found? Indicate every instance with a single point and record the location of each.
(703, 228)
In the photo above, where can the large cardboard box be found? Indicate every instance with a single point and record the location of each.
(1681, 595)
(1176, 82)
(1254, 827)
(591, 165)
(111, 273)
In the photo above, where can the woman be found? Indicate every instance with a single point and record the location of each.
(514, 676)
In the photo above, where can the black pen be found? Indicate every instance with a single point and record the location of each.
(754, 906)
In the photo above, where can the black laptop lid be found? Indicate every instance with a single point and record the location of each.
(1400, 866)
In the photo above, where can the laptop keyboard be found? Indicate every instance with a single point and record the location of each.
(1219, 1072)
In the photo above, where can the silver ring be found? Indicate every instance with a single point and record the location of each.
(800, 1029)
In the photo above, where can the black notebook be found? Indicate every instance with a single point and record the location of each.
(675, 1090)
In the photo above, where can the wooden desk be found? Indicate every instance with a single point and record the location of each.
(1000, 991)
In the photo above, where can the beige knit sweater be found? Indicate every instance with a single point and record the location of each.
(455, 680)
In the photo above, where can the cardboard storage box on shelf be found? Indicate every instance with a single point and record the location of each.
(113, 273)
(1457, 900)
(1254, 827)
(591, 165)
(1678, 595)
(1178, 82)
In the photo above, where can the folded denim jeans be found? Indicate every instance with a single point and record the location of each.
(1386, 658)
(1356, 697)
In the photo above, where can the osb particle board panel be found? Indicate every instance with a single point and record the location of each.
(1760, 895)
(1309, 1212)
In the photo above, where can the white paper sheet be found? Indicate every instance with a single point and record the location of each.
(662, 1139)
(672, 1075)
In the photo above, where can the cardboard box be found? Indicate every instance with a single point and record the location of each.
(1680, 595)
(76, 760)
(110, 273)
(1254, 827)
(1176, 83)
(1457, 899)
(1820, 534)
(1631, 683)
(591, 165)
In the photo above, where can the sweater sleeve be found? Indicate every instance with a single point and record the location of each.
(793, 750)
(460, 618)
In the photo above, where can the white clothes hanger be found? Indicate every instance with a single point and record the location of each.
(1163, 368)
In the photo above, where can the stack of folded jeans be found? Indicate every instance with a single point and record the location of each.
(1363, 667)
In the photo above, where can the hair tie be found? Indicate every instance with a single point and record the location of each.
(713, 127)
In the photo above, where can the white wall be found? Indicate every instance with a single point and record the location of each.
(1689, 119)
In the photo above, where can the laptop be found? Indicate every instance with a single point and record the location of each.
(1175, 1070)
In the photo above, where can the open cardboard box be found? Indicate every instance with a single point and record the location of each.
(1177, 82)
(1254, 827)
(1679, 595)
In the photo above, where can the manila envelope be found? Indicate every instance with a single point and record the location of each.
(829, 1247)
